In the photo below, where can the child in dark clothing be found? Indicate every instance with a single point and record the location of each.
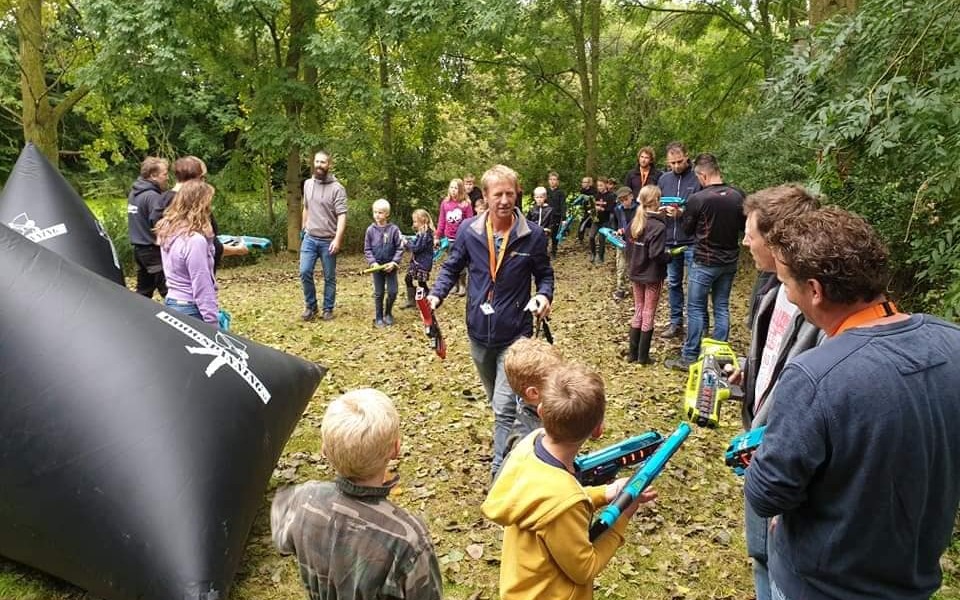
(542, 213)
(422, 249)
(382, 246)
(648, 257)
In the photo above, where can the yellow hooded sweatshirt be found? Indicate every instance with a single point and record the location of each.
(546, 513)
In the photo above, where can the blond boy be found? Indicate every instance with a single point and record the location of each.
(350, 541)
(547, 553)
(526, 364)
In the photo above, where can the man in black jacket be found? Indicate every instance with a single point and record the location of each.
(644, 173)
(145, 206)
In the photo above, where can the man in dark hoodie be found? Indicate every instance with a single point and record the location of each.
(679, 181)
(324, 223)
(644, 173)
(145, 206)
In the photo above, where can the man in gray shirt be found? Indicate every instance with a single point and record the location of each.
(324, 223)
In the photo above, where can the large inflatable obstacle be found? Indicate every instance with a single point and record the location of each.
(136, 444)
(39, 204)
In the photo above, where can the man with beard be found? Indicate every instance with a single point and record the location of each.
(145, 206)
(645, 173)
(324, 223)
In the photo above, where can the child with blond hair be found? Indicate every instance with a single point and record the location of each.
(421, 249)
(349, 539)
(382, 246)
(647, 270)
(527, 364)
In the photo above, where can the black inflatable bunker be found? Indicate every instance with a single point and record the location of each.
(135, 444)
(38, 203)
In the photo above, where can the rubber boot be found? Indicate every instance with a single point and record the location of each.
(411, 297)
(634, 345)
(388, 309)
(643, 354)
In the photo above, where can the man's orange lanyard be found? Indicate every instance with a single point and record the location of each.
(495, 262)
(870, 313)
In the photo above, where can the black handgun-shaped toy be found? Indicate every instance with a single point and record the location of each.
(741, 449)
(601, 467)
(639, 482)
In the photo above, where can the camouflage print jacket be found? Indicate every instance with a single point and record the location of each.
(353, 543)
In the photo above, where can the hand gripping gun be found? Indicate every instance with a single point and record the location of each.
(444, 244)
(430, 325)
(251, 242)
(601, 467)
(740, 451)
(639, 482)
(673, 201)
(707, 385)
(615, 240)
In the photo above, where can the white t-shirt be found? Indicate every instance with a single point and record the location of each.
(784, 312)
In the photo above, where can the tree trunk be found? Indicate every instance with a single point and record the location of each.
(294, 200)
(587, 68)
(386, 123)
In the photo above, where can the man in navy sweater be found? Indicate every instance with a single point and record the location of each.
(861, 458)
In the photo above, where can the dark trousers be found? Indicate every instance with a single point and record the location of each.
(149, 271)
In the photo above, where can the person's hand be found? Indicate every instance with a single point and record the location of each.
(390, 266)
(648, 495)
(374, 265)
(436, 243)
(236, 249)
(619, 232)
(434, 301)
(672, 211)
(614, 488)
(539, 305)
(736, 378)
(334, 247)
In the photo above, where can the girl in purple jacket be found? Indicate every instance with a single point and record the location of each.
(185, 237)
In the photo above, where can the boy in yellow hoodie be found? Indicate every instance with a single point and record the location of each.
(547, 553)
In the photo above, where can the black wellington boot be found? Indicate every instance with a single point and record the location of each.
(634, 345)
(643, 354)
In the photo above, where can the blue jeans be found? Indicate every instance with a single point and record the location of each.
(312, 248)
(775, 592)
(757, 530)
(383, 280)
(675, 283)
(714, 281)
(489, 363)
(186, 308)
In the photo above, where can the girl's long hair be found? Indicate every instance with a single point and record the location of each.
(649, 200)
(188, 213)
(421, 215)
(461, 190)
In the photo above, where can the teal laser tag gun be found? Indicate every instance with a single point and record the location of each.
(251, 242)
(673, 201)
(707, 385)
(740, 451)
(615, 240)
(602, 466)
(223, 320)
(444, 244)
(564, 229)
(640, 481)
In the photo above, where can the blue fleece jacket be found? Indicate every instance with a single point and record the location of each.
(526, 257)
(861, 458)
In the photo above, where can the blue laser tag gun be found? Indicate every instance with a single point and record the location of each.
(564, 229)
(223, 320)
(740, 451)
(601, 466)
(615, 240)
(672, 201)
(639, 482)
(444, 244)
(251, 242)
(707, 385)
(577, 205)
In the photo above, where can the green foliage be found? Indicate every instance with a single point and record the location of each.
(877, 95)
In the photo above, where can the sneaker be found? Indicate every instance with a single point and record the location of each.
(674, 331)
(379, 324)
(327, 315)
(678, 364)
(308, 314)
(388, 320)
(619, 295)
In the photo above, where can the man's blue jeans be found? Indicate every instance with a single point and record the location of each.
(312, 248)
(775, 592)
(675, 283)
(489, 363)
(714, 281)
(757, 532)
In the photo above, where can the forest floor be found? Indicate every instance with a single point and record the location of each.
(689, 544)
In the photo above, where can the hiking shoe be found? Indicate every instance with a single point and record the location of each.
(674, 331)
(379, 324)
(308, 314)
(388, 320)
(678, 364)
(619, 295)
(327, 315)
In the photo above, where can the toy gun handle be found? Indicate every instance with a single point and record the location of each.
(639, 482)
(373, 269)
(678, 250)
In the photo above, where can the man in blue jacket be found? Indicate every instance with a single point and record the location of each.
(501, 251)
(678, 181)
(861, 457)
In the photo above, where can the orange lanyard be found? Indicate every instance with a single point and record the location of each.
(870, 313)
(496, 262)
